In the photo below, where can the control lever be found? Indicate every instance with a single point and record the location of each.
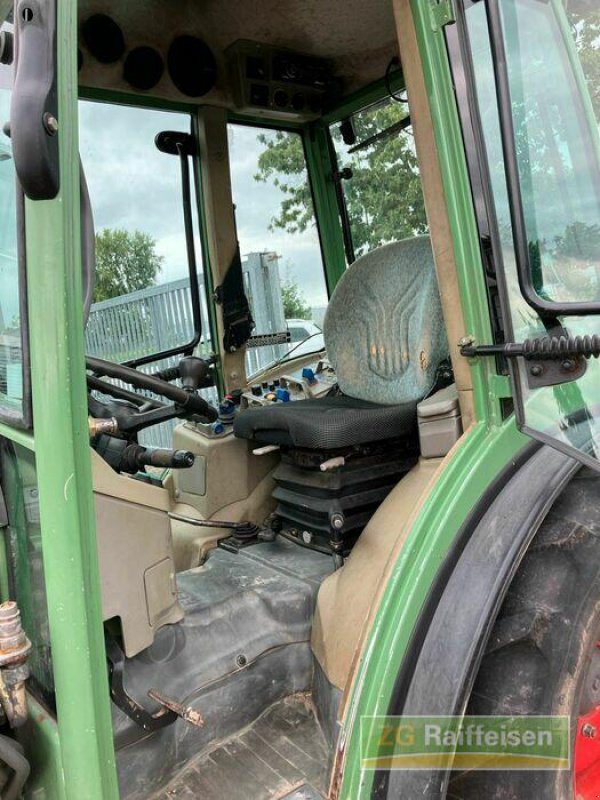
(194, 373)
(135, 457)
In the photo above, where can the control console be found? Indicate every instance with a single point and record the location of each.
(276, 81)
(309, 382)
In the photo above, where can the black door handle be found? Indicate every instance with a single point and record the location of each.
(34, 101)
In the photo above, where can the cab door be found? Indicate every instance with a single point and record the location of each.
(532, 98)
(48, 558)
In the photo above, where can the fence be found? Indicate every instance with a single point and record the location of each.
(157, 319)
(149, 321)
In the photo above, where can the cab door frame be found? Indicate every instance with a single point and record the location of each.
(72, 755)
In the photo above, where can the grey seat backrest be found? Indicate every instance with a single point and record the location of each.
(384, 330)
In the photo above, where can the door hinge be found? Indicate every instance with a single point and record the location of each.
(441, 13)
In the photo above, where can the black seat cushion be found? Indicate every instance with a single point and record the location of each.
(326, 423)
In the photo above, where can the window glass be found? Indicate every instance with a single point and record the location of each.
(553, 61)
(297, 334)
(559, 163)
(380, 176)
(23, 540)
(281, 255)
(12, 300)
(142, 302)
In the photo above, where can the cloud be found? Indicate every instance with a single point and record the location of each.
(134, 186)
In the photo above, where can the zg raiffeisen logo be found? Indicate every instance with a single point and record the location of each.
(471, 743)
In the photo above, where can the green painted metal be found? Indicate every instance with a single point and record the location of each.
(4, 586)
(442, 13)
(364, 97)
(500, 386)
(482, 455)
(40, 736)
(23, 438)
(65, 486)
(319, 167)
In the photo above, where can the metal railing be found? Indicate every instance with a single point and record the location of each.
(147, 321)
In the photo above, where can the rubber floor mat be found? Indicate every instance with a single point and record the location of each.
(282, 755)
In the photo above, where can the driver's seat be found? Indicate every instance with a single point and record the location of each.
(343, 453)
(385, 338)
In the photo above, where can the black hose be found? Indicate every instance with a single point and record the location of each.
(11, 753)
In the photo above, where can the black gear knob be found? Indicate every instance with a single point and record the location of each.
(193, 372)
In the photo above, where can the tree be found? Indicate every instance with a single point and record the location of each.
(294, 302)
(125, 262)
(586, 27)
(383, 197)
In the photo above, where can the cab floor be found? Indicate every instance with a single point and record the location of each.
(281, 755)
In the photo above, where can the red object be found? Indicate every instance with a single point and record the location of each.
(587, 755)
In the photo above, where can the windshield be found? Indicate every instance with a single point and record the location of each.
(142, 301)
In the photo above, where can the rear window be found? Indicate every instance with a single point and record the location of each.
(380, 175)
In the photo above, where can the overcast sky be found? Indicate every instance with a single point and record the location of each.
(134, 186)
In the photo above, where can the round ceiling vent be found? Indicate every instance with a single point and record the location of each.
(143, 68)
(103, 38)
(192, 66)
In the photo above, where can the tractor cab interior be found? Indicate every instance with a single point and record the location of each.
(271, 329)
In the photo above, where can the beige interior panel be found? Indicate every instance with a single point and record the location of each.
(137, 569)
(234, 485)
(231, 470)
(220, 223)
(191, 543)
(435, 203)
(125, 487)
(347, 598)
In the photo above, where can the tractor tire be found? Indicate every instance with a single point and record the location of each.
(542, 656)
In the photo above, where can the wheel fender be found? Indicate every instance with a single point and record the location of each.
(453, 635)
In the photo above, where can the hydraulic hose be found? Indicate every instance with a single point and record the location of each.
(11, 753)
